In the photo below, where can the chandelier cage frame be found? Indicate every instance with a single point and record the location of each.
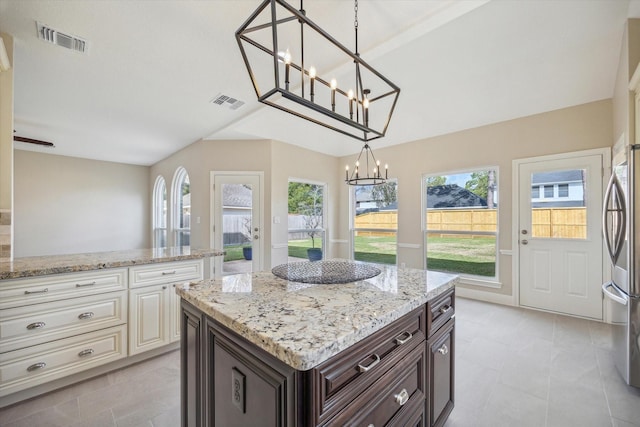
(371, 98)
(365, 180)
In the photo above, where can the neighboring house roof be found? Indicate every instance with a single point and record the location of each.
(556, 177)
(236, 196)
(452, 196)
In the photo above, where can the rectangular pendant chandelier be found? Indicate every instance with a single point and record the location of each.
(297, 67)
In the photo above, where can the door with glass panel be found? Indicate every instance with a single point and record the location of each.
(560, 235)
(306, 226)
(237, 223)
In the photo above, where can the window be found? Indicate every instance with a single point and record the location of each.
(182, 208)
(563, 190)
(535, 192)
(375, 222)
(548, 191)
(461, 215)
(159, 220)
(306, 220)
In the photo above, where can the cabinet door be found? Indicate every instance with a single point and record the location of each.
(149, 318)
(441, 374)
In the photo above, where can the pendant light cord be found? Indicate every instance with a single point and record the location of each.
(355, 24)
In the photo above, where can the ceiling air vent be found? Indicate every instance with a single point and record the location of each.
(227, 101)
(59, 38)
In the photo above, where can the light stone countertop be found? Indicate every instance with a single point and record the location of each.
(55, 264)
(305, 324)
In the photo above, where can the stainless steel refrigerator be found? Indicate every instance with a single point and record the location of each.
(621, 226)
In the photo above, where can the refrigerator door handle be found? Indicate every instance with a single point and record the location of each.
(614, 204)
(618, 296)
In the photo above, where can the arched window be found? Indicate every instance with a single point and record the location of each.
(181, 196)
(159, 219)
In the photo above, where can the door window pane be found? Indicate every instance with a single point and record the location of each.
(562, 215)
(237, 235)
(461, 222)
(182, 213)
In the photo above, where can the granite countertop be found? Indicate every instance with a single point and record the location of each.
(54, 264)
(305, 324)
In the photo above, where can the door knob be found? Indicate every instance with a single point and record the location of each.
(524, 242)
(524, 231)
(256, 237)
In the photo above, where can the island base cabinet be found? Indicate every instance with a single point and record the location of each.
(440, 348)
(192, 370)
(245, 385)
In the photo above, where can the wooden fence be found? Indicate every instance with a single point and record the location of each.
(546, 222)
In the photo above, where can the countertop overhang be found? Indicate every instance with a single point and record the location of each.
(305, 324)
(56, 264)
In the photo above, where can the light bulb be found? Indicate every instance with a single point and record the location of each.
(357, 163)
(365, 103)
(312, 72)
(287, 57)
(334, 84)
(350, 94)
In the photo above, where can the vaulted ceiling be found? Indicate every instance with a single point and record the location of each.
(144, 89)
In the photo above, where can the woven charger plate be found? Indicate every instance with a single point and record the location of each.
(325, 272)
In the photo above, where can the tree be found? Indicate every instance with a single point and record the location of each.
(432, 181)
(483, 185)
(385, 194)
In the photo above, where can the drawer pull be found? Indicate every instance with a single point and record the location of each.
(407, 337)
(444, 309)
(402, 397)
(36, 366)
(444, 349)
(87, 315)
(43, 291)
(36, 325)
(376, 360)
(82, 285)
(85, 353)
(168, 273)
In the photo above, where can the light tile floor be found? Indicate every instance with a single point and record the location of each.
(514, 368)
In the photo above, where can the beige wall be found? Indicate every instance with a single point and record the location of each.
(291, 162)
(200, 159)
(68, 205)
(571, 129)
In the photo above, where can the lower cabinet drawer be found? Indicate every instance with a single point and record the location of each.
(28, 367)
(166, 272)
(343, 377)
(31, 325)
(395, 398)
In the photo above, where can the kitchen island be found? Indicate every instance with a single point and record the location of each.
(66, 318)
(261, 350)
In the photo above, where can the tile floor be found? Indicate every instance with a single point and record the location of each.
(514, 368)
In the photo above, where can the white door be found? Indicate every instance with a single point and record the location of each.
(237, 222)
(560, 234)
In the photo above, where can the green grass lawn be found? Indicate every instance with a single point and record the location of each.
(456, 255)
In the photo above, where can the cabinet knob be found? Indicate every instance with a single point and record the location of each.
(36, 366)
(82, 285)
(402, 397)
(444, 349)
(85, 353)
(36, 325)
(407, 336)
(42, 291)
(376, 360)
(444, 309)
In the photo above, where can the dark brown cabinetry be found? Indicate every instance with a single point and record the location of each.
(387, 379)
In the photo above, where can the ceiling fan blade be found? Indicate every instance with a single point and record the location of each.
(33, 141)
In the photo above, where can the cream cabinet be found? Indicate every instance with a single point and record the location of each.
(154, 306)
(57, 325)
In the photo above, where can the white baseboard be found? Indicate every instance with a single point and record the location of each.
(484, 296)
